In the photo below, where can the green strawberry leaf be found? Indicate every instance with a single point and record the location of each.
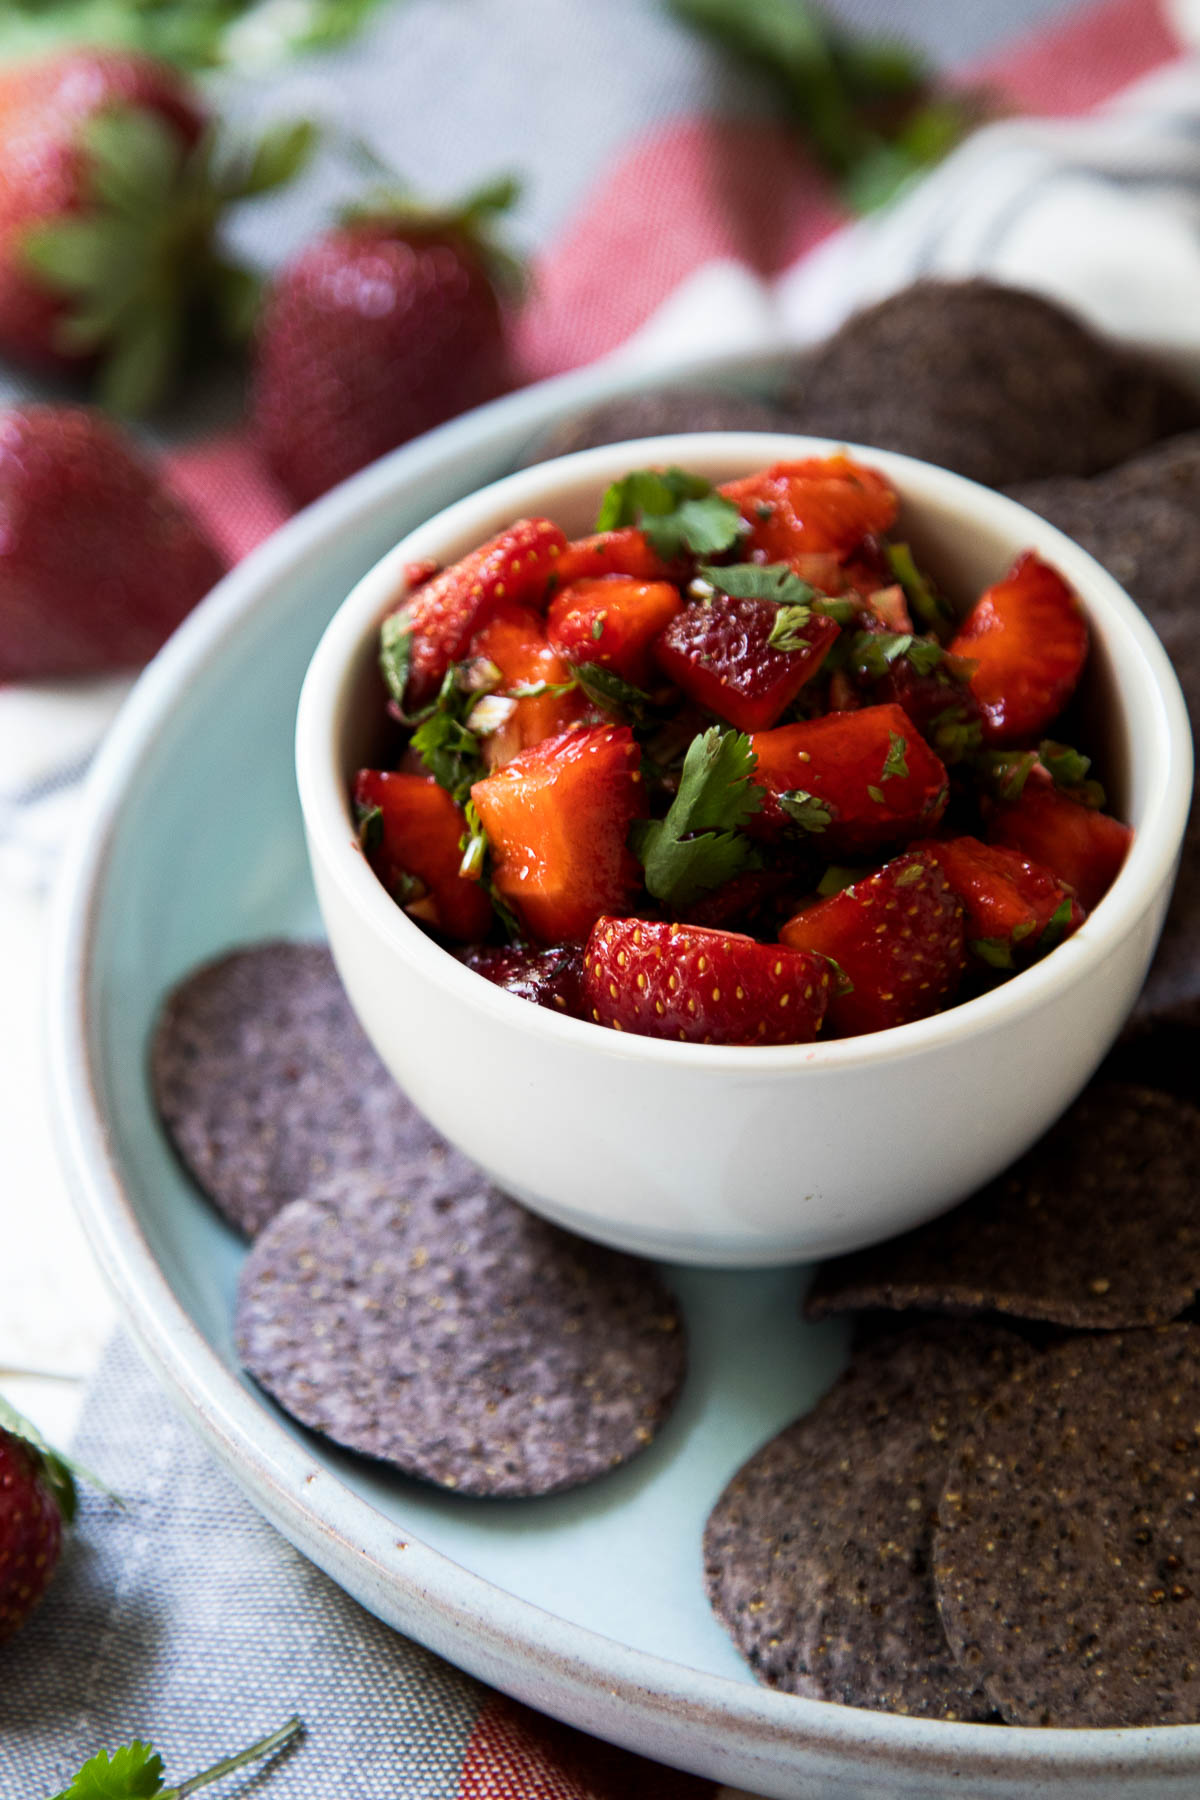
(134, 159)
(283, 151)
(698, 846)
(58, 1469)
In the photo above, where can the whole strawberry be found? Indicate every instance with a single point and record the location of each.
(379, 330)
(98, 562)
(110, 196)
(36, 1495)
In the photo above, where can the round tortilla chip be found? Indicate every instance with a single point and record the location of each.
(1096, 1227)
(1067, 1555)
(658, 413)
(989, 381)
(458, 1337)
(817, 1554)
(267, 1085)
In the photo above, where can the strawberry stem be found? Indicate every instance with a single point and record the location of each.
(265, 1746)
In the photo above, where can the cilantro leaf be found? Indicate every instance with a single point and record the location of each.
(444, 741)
(1068, 769)
(1055, 928)
(370, 828)
(677, 512)
(613, 692)
(787, 632)
(995, 952)
(893, 762)
(1005, 772)
(395, 652)
(924, 602)
(874, 652)
(806, 810)
(476, 866)
(777, 582)
(135, 1772)
(698, 845)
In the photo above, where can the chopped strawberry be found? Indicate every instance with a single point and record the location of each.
(704, 987)
(1082, 847)
(552, 978)
(719, 652)
(445, 612)
(514, 638)
(897, 939)
(1008, 902)
(612, 619)
(792, 508)
(624, 552)
(556, 818)
(944, 709)
(1029, 638)
(856, 780)
(417, 851)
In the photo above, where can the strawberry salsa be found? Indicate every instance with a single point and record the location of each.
(731, 770)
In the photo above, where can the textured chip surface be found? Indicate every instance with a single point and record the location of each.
(1096, 1227)
(817, 1555)
(658, 413)
(267, 1085)
(989, 381)
(1067, 1556)
(457, 1336)
(1142, 521)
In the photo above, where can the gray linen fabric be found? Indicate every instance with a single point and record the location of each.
(186, 1619)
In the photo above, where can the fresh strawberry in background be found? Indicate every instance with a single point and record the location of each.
(37, 1498)
(379, 330)
(98, 561)
(111, 192)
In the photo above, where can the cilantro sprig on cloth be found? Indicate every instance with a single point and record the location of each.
(135, 1771)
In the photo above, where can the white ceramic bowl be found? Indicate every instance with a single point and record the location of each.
(748, 1156)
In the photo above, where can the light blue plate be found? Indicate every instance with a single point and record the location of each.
(589, 1605)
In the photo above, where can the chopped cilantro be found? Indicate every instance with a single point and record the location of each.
(613, 692)
(598, 626)
(996, 952)
(836, 880)
(1006, 771)
(877, 794)
(893, 762)
(475, 866)
(698, 845)
(787, 631)
(444, 741)
(370, 828)
(841, 980)
(806, 810)
(679, 513)
(1056, 927)
(953, 735)
(395, 652)
(534, 690)
(874, 652)
(1068, 769)
(924, 602)
(777, 582)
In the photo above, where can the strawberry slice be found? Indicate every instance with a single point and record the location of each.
(552, 978)
(897, 940)
(624, 552)
(1082, 847)
(446, 611)
(794, 508)
(1029, 638)
(1008, 902)
(556, 818)
(415, 847)
(701, 986)
(719, 653)
(612, 619)
(514, 638)
(856, 780)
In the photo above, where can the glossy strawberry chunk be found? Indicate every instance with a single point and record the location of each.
(701, 986)
(557, 818)
(869, 775)
(795, 508)
(624, 552)
(613, 620)
(418, 851)
(514, 638)
(897, 939)
(1007, 901)
(446, 610)
(1028, 636)
(1082, 847)
(552, 978)
(719, 653)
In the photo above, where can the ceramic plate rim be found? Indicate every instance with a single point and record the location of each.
(708, 1722)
